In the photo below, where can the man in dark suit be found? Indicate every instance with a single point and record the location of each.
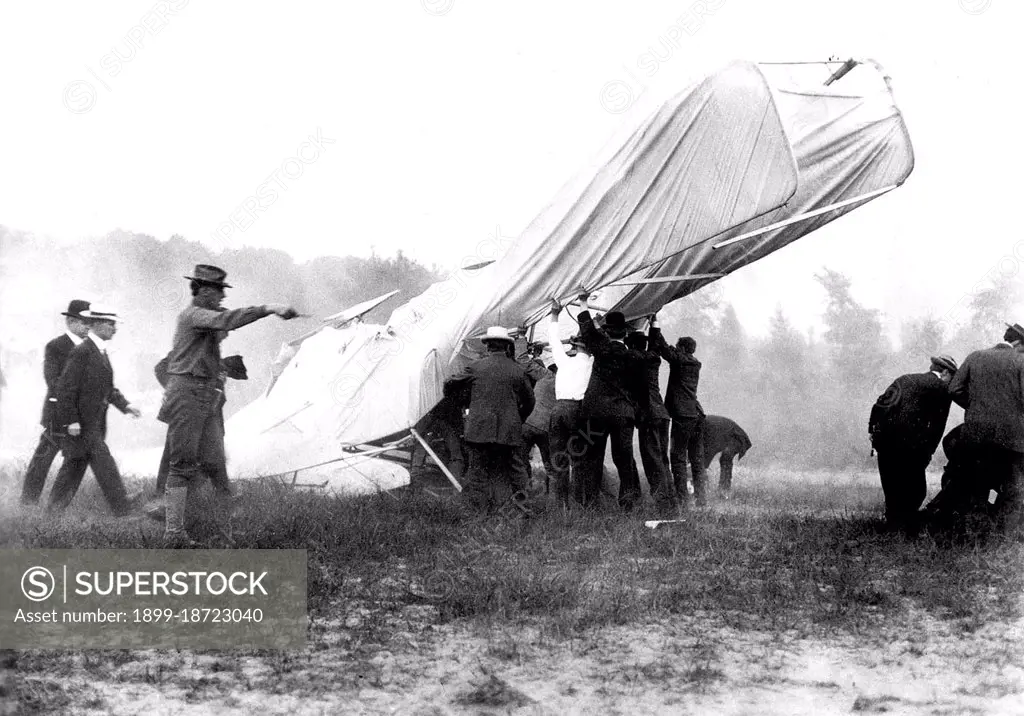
(685, 410)
(617, 389)
(83, 392)
(990, 388)
(500, 399)
(55, 356)
(653, 425)
(722, 435)
(906, 425)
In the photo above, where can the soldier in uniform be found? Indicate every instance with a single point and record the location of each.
(500, 399)
(55, 356)
(83, 392)
(193, 400)
(906, 425)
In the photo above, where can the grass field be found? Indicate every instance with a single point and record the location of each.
(790, 598)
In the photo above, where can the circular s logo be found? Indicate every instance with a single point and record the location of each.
(37, 583)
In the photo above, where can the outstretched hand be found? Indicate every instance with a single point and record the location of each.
(555, 308)
(282, 310)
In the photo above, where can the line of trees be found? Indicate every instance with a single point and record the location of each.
(805, 399)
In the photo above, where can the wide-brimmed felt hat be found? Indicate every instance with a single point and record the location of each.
(1015, 328)
(615, 325)
(211, 275)
(98, 312)
(497, 333)
(944, 362)
(75, 308)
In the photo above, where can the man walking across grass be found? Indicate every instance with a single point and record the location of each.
(55, 356)
(83, 392)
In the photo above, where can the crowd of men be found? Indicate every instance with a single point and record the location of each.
(602, 389)
(984, 475)
(599, 391)
(80, 387)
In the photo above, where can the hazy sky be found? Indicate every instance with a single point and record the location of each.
(425, 125)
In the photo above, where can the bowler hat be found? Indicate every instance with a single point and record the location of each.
(944, 362)
(637, 340)
(211, 275)
(615, 325)
(1014, 332)
(75, 308)
(497, 333)
(97, 312)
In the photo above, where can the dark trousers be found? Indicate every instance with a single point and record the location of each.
(535, 437)
(195, 430)
(654, 457)
(1008, 468)
(619, 431)
(725, 467)
(491, 477)
(904, 483)
(218, 472)
(88, 450)
(39, 467)
(688, 446)
(566, 447)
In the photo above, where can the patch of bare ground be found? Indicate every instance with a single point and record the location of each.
(788, 599)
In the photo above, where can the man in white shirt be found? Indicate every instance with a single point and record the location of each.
(567, 444)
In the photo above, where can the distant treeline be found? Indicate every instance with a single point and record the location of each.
(804, 399)
(143, 278)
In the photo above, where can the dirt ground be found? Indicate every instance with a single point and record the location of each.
(713, 663)
(685, 666)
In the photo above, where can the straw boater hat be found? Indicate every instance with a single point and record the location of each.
(75, 308)
(99, 312)
(497, 333)
(210, 275)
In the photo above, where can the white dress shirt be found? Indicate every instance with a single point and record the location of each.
(74, 339)
(573, 374)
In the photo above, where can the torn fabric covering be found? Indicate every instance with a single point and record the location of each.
(849, 139)
(704, 166)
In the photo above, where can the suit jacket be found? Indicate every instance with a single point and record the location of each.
(653, 408)
(990, 388)
(55, 357)
(721, 432)
(544, 394)
(911, 414)
(85, 389)
(500, 399)
(618, 381)
(683, 377)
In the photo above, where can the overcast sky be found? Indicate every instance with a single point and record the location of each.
(427, 125)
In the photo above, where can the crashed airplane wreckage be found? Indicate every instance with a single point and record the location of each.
(718, 175)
